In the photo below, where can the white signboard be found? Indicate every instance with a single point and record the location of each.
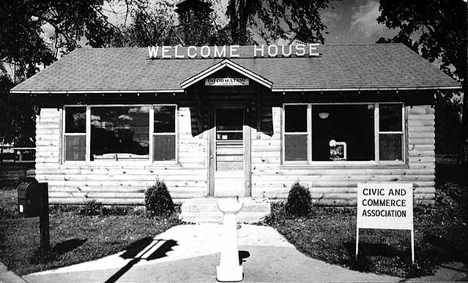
(226, 82)
(233, 51)
(385, 206)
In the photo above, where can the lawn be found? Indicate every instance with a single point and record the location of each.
(77, 234)
(83, 233)
(329, 234)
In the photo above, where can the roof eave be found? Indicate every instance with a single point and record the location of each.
(94, 91)
(364, 89)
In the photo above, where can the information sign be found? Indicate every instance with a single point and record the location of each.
(227, 82)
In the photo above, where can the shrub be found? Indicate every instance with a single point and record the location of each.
(91, 207)
(299, 201)
(158, 200)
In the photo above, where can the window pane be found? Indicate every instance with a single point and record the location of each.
(75, 148)
(164, 119)
(295, 118)
(295, 147)
(116, 130)
(164, 147)
(390, 147)
(75, 119)
(351, 124)
(390, 117)
(229, 124)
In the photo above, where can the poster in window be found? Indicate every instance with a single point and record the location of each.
(337, 150)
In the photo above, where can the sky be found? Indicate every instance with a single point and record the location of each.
(354, 22)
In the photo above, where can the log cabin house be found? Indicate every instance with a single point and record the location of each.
(224, 121)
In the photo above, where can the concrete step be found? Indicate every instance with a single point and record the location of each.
(205, 210)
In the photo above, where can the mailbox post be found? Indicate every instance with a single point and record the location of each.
(33, 201)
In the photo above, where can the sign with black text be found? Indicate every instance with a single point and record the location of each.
(226, 82)
(385, 206)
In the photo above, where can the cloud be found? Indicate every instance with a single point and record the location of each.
(364, 20)
(330, 18)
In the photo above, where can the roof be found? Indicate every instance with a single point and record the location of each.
(340, 67)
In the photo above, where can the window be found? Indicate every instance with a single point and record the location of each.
(391, 132)
(75, 133)
(119, 133)
(352, 125)
(295, 133)
(343, 132)
(229, 124)
(164, 133)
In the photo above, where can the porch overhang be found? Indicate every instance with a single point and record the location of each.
(226, 63)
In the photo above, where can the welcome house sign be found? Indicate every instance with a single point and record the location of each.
(233, 51)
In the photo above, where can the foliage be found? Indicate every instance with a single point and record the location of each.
(276, 19)
(158, 200)
(91, 207)
(437, 29)
(148, 26)
(299, 201)
(448, 125)
(32, 35)
(441, 25)
(17, 118)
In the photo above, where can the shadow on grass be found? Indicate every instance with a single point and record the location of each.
(58, 250)
(146, 248)
(372, 249)
(68, 245)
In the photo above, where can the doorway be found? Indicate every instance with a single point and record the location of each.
(230, 158)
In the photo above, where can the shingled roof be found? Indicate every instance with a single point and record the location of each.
(340, 67)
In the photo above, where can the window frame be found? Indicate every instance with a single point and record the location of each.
(403, 134)
(176, 135)
(377, 132)
(149, 161)
(65, 134)
(308, 133)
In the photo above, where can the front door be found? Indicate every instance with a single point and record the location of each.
(229, 152)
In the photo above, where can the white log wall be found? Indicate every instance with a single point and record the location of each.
(336, 185)
(124, 183)
(118, 182)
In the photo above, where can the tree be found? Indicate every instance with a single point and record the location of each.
(437, 29)
(148, 26)
(275, 19)
(25, 48)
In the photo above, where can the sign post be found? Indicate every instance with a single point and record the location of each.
(385, 206)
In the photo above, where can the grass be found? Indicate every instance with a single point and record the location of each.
(91, 231)
(329, 234)
(77, 234)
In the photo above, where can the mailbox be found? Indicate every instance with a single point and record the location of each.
(31, 196)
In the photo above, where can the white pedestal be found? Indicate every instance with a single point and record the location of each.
(229, 268)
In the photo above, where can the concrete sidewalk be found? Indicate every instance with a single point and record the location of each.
(190, 253)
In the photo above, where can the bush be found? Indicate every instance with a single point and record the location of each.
(91, 207)
(299, 201)
(158, 200)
